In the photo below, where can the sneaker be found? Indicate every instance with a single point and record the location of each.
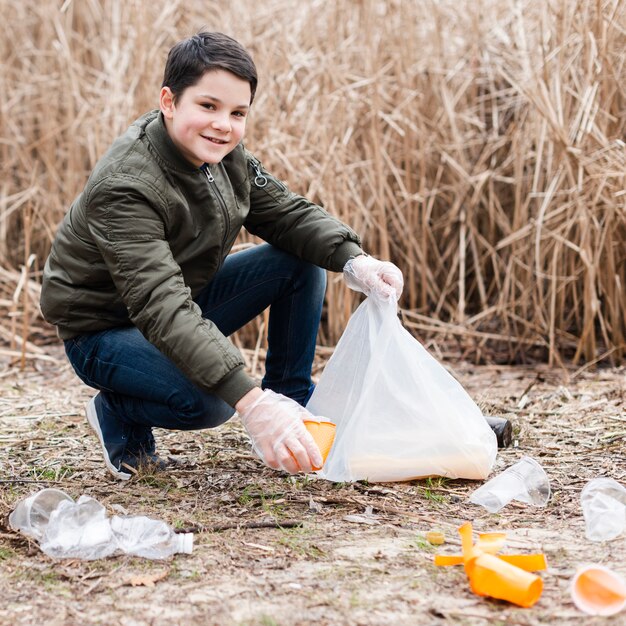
(503, 429)
(146, 464)
(141, 453)
(112, 436)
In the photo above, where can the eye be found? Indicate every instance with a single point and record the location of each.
(239, 114)
(207, 105)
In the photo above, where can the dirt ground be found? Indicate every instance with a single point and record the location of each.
(277, 550)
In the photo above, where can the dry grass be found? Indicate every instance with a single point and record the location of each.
(479, 145)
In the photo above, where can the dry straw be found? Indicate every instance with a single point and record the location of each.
(479, 145)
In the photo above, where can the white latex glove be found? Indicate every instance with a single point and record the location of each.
(279, 437)
(373, 277)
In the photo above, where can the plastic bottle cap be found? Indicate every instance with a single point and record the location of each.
(435, 538)
(596, 590)
(186, 543)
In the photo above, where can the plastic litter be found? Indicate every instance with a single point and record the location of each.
(78, 530)
(400, 415)
(149, 538)
(596, 590)
(435, 538)
(505, 576)
(603, 501)
(82, 530)
(323, 433)
(31, 514)
(526, 481)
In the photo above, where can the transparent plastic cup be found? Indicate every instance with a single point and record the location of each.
(596, 590)
(603, 501)
(31, 515)
(526, 481)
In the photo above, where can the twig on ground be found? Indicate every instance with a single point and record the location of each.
(215, 528)
(29, 480)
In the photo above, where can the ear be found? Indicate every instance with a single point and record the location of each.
(166, 103)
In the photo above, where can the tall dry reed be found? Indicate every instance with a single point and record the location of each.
(479, 145)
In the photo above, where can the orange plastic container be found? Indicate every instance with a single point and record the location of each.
(506, 576)
(596, 590)
(491, 576)
(323, 432)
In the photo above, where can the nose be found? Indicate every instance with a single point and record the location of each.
(222, 122)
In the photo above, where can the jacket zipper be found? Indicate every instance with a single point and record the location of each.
(260, 180)
(221, 202)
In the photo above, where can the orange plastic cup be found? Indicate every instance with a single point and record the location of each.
(596, 590)
(491, 576)
(323, 433)
(506, 577)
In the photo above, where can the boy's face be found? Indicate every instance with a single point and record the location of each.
(208, 119)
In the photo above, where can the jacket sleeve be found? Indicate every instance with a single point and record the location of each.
(129, 228)
(295, 224)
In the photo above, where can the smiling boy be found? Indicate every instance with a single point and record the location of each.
(144, 292)
(209, 119)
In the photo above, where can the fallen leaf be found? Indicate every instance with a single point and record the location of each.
(367, 517)
(258, 546)
(118, 508)
(361, 519)
(148, 580)
(315, 506)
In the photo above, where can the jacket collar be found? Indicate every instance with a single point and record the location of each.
(164, 146)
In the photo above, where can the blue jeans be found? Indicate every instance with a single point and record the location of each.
(142, 388)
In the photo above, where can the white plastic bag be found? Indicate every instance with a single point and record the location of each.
(400, 415)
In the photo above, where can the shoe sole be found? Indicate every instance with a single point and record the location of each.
(92, 419)
(503, 430)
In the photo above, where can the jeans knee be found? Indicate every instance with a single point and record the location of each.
(202, 411)
(315, 280)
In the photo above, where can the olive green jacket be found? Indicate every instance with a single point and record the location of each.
(150, 230)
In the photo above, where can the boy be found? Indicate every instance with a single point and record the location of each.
(144, 294)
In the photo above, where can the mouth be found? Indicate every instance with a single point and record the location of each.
(215, 140)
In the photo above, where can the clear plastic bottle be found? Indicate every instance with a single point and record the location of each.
(82, 529)
(79, 530)
(149, 538)
(603, 501)
(32, 514)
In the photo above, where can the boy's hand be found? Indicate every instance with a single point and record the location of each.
(373, 277)
(279, 437)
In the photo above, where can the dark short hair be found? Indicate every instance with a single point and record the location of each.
(191, 58)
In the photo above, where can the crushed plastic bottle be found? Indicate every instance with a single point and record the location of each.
(78, 530)
(603, 501)
(149, 538)
(82, 530)
(31, 515)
